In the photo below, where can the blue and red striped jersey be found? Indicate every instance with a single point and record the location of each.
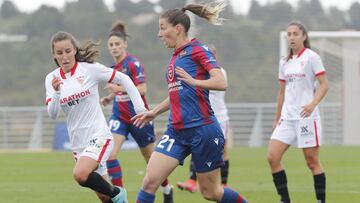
(190, 106)
(123, 108)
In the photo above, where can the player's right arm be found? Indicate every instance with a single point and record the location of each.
(52, 85)
(281, 93)
(280, 102)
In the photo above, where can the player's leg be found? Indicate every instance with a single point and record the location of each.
(169, 153)
(90, 167)
(283, 135)
(309, 139)
(190, 184)
(104, 198)
(224, 171)
(313, 162)
(158, 169)
(120, 131)
(208, 158)
(212, 190)
(145, 138)
(113, 163)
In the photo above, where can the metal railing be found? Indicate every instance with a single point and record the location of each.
(251, 125)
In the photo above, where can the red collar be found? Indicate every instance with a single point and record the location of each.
(300, 53)
(62, 73)
(178, 50)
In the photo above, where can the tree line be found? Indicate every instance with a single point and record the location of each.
(247, 44)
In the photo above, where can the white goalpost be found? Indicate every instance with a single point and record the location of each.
(340, 52)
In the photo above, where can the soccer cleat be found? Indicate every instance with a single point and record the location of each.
(190, 185)
(170, 197)
(121, 197)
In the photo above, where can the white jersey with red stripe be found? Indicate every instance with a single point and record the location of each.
(78, 98)
(217, 101)
(299, 74)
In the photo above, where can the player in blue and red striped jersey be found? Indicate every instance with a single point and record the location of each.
(193, 129)
(123, 109)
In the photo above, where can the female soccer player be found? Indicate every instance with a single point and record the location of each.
(123, 109)
(297, 118)
(193, 128)
(217, 101)
(73, 87)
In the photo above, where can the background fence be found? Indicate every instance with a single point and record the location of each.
(251, 125)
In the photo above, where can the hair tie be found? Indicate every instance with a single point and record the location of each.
(183, 9)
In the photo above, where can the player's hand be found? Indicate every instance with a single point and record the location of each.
(105, 101)
(114, 88)
(307, 110)
(184, 76)
(143, 118)
(56, 82)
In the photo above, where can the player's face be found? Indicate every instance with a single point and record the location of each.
(167, 33)
(117, 46)
(64, 53)
(295, 37)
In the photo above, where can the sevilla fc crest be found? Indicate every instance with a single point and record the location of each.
(171, 72)
(80, 79)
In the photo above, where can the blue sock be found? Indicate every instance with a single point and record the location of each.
(144, 197)
(115, 172)
(230, 196)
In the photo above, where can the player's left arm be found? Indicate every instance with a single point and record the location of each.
(216, 81)
(319, 95)
(101, 72)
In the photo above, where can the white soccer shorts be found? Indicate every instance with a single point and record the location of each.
(98, 149)
(225, 127)
(305, 133)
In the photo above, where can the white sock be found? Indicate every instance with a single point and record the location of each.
(167, 189)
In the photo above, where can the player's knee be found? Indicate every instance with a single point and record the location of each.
(208, 193)
(80, 176)
(149, 184)
(273, 159)
(312, 162)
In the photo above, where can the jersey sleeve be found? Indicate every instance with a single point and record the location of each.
(224, 73)
(99, 72)
(137, 72)
(205, 57)
(281, 70)
(317, 65)
(103, 73)
(52, 98)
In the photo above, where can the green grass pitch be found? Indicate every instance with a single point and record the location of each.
(45, 177)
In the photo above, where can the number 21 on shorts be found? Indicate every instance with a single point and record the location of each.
(163, 142)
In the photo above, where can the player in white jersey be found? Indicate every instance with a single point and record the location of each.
(217, 101)
(297, 118)
(73, 87)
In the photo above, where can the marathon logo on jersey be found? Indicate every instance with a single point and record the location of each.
(75, 98)
(293, 77)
